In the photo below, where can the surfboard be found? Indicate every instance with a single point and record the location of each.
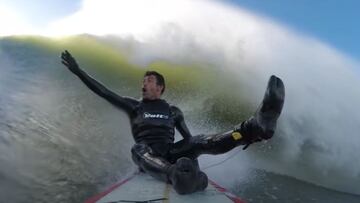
(142, 188)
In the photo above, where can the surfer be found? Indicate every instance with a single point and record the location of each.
(153, 122)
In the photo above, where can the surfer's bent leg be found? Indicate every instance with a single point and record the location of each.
(184, 174)
(151, 164)
(258, 127)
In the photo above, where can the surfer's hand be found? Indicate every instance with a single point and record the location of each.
(69, 61)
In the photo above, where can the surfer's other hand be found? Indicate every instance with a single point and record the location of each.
(69, 61)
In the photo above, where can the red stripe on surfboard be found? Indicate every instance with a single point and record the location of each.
(107, 191)
(228, 194)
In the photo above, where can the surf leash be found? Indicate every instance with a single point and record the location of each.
(218, 163)
(134, 201)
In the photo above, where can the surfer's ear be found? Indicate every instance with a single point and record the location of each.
(162, 88)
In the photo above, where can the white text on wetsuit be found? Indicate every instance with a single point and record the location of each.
(161, 116)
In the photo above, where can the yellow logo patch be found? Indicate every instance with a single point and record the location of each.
(236, 135)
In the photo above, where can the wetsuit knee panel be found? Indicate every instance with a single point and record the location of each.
(140, 148)
(138, 151)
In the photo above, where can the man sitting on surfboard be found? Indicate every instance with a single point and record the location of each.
(153, 123)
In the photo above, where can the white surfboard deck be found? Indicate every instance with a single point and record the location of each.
(141, 187)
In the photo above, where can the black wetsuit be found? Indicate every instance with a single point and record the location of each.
(153, 122)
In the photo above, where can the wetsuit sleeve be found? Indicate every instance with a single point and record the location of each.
(180, 123)
(125, 103)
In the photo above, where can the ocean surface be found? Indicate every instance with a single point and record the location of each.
(59, 142)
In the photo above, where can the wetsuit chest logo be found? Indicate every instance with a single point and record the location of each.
(155, 115)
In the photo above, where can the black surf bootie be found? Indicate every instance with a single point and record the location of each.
(262, 124)
(186, 177)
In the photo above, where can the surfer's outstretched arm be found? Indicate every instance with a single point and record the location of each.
(125, 103)
(180, 123)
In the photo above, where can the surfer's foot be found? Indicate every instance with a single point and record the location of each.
(186, 177)
(263, 123)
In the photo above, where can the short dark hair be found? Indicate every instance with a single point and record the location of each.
(159, 78)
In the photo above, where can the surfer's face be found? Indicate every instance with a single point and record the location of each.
(150, 89)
